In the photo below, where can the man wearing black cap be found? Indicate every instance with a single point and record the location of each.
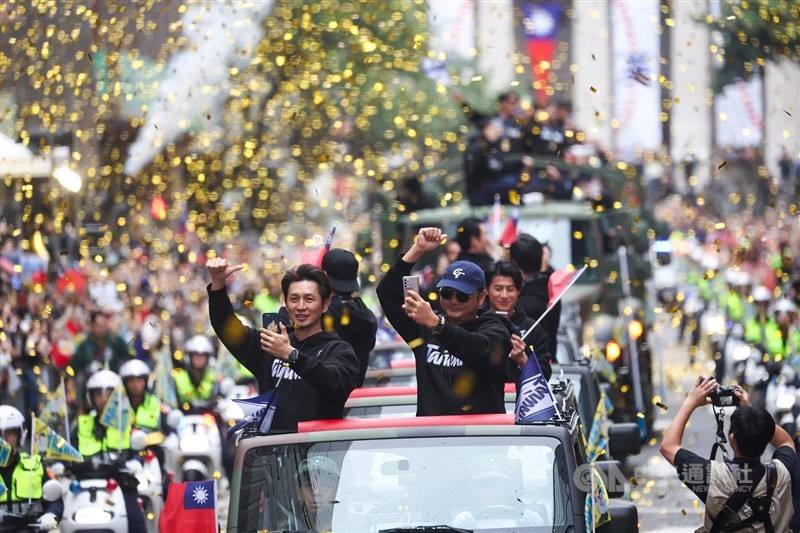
(347, 315)
(460, 355)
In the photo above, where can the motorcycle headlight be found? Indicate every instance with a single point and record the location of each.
(635, 329)
(785, 402)
(93, 515)
(193, 445)
(613, 351)
(741, 352)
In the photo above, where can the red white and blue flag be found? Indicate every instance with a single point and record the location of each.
(190, 506)
(326, 248)
(540, 25)
(509, 234)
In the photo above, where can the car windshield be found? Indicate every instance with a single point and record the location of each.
(486, 484)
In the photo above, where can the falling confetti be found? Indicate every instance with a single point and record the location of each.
(722, 165)
(593, 58)
(785, 111)
(662, 406)
(593, 88)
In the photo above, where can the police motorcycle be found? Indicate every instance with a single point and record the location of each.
(25, 517)
(198, 451)
(22, 497)
(150, 471)
(94, 500)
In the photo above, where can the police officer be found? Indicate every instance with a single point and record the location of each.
(24, 475)
(731, 300)
(93, 437)
(147, 408)
(785, 312)
(197, 383)
(96, 439)
(762, 329)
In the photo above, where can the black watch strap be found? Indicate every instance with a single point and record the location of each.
(293, 356)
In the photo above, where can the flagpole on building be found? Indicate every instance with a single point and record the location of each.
(556, 300)
(66, 411)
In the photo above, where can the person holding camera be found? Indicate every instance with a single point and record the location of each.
(741, 494)
(460, 354)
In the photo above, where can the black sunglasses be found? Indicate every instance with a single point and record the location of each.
(446, 293)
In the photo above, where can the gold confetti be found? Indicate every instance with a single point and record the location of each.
(722, 165)
(593, 88)
(415, 343)
(662, 406)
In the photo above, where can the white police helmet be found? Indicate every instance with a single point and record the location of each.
(135, 368)
(761, 294)
(103, 379)
(199, 344)
(784, 305)
(10, 419)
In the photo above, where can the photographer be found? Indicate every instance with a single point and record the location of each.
(460, 355)
(725, 487)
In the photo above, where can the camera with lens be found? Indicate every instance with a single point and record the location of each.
(724, 397)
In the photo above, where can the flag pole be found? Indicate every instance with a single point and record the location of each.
(33, 440)
(555, 302)
(66, 410)
(119, 423)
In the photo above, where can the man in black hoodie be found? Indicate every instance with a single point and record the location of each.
(316, 370)
(503, 286)
(474, 242)
(526, 252)
(348, 315)
(460, 355)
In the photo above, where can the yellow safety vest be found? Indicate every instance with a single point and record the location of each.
(187, 392)
(26, 480)
(113, 440)
(148, 415)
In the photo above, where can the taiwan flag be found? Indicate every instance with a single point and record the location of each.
(190, 506)
(541, 29)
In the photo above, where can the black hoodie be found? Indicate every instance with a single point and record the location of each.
(315, 387)
(462, 369)
(533, 300)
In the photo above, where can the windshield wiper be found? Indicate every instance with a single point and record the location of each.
(426, 529)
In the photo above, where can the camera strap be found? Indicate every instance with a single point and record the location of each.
(721, 441)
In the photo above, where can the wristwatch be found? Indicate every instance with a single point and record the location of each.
(439, 325)
(293, 355)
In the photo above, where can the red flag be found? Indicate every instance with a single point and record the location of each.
(326, 248)
(190, 506)
(509, 234)
(558, 281)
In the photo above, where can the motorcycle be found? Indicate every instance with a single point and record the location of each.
(94, 501)
(196, 450)
(23, 517)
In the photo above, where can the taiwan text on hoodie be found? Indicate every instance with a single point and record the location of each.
(462, 369)
(315, 387)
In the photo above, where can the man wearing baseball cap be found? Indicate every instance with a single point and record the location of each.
(460, 355)
(347, 315)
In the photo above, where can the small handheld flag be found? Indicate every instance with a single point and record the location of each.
(5, 453)
(116, 414)
(326, 248)
(509, 234)
(596, 512)
(54, 445)
(535, 401)
(259, 410)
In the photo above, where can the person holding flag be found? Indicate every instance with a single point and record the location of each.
(311, 370)
(22, 475)
(504, 284)
(107, 429)
(460, 354)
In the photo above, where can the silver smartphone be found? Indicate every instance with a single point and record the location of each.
(410, 283)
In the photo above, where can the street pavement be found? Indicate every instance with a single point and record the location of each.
(665, 505)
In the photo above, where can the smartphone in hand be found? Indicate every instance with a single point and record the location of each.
(410, 283)
(270, 321)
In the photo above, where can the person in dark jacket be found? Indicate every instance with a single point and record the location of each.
(460, 355)
(503, 287)
(348, 315)
(526, 252)
(474, 242)
(314, 371)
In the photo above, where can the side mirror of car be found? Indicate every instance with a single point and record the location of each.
(613, 477)
(52, 490)
(623, 440)
(624, 517)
